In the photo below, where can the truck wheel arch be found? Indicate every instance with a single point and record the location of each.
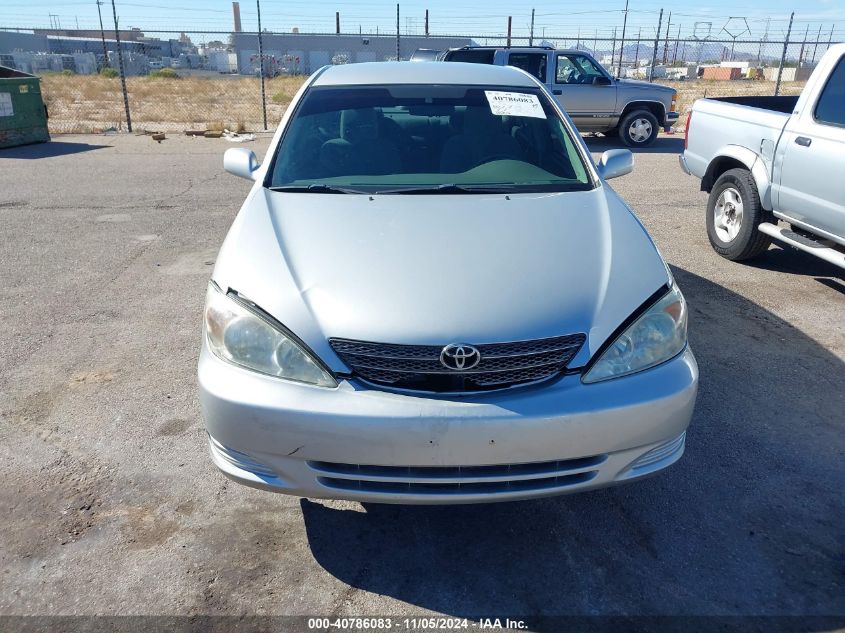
(736, 157)
(655, 107)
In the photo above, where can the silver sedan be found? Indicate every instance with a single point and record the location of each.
(430, 295)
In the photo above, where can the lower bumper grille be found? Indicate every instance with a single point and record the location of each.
(476, 487)
(419, 367)
(439, 480)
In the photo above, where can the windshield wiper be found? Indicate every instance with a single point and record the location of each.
(314, 188)
(449, 189)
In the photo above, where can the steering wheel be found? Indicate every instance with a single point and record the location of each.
(490, 158)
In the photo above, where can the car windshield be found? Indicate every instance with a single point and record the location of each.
(427, 139)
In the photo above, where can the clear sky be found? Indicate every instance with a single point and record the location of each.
(453, 17)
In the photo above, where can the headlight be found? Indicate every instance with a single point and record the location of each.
(243, 337)
(655, 337)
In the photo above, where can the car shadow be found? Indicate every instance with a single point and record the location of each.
(48, 150)
(748, 523)
(663, 145)
(785, 259)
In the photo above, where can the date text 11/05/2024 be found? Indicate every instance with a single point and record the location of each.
(414, 624)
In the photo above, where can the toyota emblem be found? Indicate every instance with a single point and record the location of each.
(460, 357)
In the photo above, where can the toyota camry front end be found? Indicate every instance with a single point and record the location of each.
(430, 295)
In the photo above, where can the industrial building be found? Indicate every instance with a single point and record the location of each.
(52, 50)
(296, 53)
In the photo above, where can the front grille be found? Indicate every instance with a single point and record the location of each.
(457, 480)
(418, 367)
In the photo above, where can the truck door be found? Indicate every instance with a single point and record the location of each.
(585, 91)
(532, 63)
(811, 160)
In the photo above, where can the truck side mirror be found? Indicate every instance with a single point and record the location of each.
(601, 80)
(240, 161)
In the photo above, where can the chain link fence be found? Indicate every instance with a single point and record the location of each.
(243, 81)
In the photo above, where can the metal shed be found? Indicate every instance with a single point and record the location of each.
(23, 116)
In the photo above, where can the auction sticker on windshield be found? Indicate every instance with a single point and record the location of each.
(514, 104)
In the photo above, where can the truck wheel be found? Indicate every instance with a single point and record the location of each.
(734, 212)
(638, 129)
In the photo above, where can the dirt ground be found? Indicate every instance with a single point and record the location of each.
(85, 103)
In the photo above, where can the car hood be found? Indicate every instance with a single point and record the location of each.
(644, 85)
(438, 269)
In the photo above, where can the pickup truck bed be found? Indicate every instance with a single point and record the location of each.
(764, 160)
(786, 105)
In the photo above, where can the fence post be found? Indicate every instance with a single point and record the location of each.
(103, 35)
(531, 32)
(398, 57)
(261, 65)
(656, 44)
(510, 19)
(121, 69)
(783, 55)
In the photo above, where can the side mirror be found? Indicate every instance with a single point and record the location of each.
(615, 163)
(241, 161)
(601, 81)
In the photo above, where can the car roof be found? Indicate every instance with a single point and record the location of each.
(380, 73)
(521, 49)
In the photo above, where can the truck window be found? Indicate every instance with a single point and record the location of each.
(830, 108)
(576, 69)
(532, 63)
(471, 56)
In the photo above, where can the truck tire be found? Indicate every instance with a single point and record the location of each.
(638, 128)
(734, 212)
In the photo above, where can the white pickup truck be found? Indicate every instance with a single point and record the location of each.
(766, 159)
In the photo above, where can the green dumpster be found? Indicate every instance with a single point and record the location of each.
(23, 116)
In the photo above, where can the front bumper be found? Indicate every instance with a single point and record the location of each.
(363, 444)
(671, 119)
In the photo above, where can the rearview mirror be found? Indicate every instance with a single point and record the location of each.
(601, 81)
(615, 163)
(240, 161)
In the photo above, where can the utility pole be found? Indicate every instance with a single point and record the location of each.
(622, 44)
(531, 31)
(121, 69)
(816, 45)
(637, 54)
(656, 42)
(803, 44)
(103, 36)
(677, 41)
(261, 63)
(613, 49)
(510, 21)
(337, 22)
(398, 57)
(426, 22)
(765, 39)
(666, 41)
(783, 55)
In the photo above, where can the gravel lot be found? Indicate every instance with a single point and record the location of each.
(112, 506)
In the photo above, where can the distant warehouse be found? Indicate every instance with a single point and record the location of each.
(298, 53)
